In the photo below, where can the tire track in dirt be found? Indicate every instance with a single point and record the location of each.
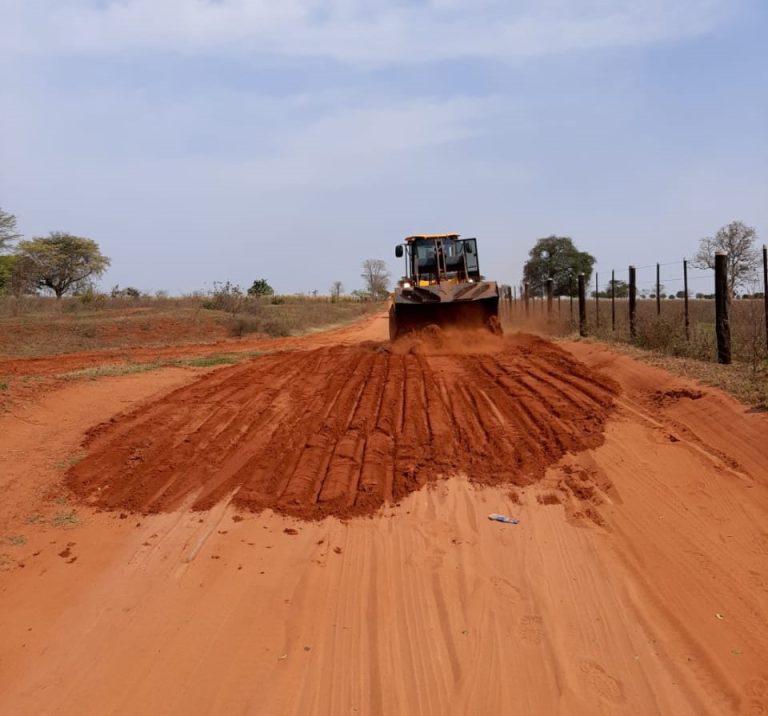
(344, 429)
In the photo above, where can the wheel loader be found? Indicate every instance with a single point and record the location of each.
(442, 285)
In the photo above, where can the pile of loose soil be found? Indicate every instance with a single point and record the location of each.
(342, 430)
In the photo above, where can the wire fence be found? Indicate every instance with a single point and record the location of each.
(675, 311)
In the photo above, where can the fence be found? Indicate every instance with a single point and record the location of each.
(673, 307)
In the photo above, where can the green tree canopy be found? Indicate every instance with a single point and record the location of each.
(621, 288)
(8, 233)
(7, 264)
(260, 287)
(556, 257)
(61, 261)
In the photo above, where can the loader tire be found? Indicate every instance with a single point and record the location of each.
(392, 323)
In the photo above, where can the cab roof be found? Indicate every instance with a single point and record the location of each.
(409, 239)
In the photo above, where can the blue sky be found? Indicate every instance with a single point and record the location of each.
(199, 141)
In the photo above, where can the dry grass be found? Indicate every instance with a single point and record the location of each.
(295, 317)
(661, 339)
(663, 332)
(62, 331)
(747, 385)
(37, 326)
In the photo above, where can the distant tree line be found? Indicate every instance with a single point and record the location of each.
(64, 263)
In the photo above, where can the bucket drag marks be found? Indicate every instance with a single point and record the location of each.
(343, 430)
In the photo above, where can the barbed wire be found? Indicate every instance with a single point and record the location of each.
(661, 265)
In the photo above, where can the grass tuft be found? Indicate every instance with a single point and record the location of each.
(65, 519)
(70, 461)
(210, 361)
(108, 371)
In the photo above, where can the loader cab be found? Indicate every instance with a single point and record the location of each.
(439, 258)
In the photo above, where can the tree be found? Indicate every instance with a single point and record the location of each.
(21, 275)
(738, 241)
(8, 232)
(337, 288)
(376, 278)
(556, 257)
(260, 287)
(61, 261)
(7, 265)
(622, 289)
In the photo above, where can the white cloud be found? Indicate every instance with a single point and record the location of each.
(370, 31)
(322, 139)
(403, 143)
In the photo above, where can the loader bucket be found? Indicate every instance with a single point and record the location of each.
(407, 317)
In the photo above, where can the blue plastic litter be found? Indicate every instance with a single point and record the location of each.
(503, 518)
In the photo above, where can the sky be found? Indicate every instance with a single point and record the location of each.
(213, 140)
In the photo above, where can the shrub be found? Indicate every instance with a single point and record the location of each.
(227, 297)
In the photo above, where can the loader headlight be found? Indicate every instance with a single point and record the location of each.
(471, 280)
(406, 284)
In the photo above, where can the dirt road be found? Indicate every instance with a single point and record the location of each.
(635, 583)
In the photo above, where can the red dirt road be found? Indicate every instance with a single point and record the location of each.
(635, 583)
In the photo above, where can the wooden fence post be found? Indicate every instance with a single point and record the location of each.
(765, 290)
(685, 298)
(632, 302)
(597, 301)
(550, 296)
(582, 306)
(658, 290)
(722, 299)
(526, 297)
(570, 299)
(613, 300)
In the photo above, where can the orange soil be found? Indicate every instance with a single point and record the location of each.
(636, 581)
(343, 430)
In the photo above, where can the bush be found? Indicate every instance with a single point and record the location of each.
(243, 325)
(227, 297)
(90, 295)
(128, 292)
(260, 287)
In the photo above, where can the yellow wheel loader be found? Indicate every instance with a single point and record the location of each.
(442, 285)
